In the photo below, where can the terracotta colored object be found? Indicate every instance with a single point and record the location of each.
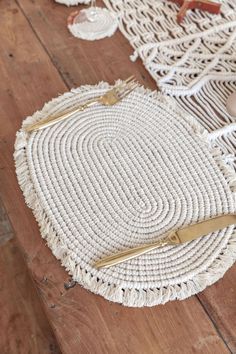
(204, 5)
(231, 104)
(72, 16)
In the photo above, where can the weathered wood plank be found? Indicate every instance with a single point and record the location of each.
(6, 232)
(219, 301)
(83, 322)
(21, 315)
(82, 62)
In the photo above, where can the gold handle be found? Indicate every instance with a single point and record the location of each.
(58, 118)
(135, 252)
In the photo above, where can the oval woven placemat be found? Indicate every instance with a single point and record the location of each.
(116, 177)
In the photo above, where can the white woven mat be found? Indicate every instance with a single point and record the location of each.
(181, 58)
(117, 177)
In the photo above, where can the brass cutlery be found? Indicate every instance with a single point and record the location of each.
(177, 237)
(111, 97)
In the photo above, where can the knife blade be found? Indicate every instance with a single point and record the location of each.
(177, 237)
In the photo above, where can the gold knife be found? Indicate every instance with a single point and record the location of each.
(177, 237)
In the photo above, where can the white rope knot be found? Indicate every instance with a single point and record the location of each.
(224, 131)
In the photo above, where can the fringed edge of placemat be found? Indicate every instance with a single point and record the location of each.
(73, 2)
(128, 297)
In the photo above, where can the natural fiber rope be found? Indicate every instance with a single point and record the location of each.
(193, 62)
(116, 177)
(180, 58)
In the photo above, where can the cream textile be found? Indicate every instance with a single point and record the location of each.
(116, 177)
(180, 58)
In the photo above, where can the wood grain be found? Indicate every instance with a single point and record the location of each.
(219, 301)
(81, 62)
(6, 232)
(38, 61)
(21, 313)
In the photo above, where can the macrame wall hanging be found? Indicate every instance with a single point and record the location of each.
(194, 62)
(181, 58)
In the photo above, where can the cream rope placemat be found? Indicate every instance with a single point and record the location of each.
(116, 177)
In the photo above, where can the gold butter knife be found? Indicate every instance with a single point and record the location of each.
(177, 237)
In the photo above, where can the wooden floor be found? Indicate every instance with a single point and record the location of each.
(39, 59)
(22, 314)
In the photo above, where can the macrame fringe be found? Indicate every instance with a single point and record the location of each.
(181, 59)
(127, 297)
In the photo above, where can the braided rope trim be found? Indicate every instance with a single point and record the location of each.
(127, 297)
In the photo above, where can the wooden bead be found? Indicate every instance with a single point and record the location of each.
(231, 104)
